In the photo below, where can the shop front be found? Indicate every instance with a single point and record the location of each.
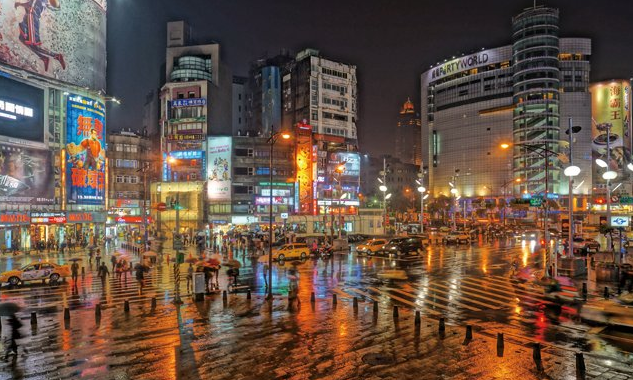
(14, 231)
(128, 228)
(86, 228)
(49, 227)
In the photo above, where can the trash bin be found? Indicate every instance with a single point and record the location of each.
(199, 287)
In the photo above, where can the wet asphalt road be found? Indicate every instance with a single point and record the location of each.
(464, 284)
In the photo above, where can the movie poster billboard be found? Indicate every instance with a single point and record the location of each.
(26, 175)
(21, 110)
(611, 109)
(85, 151)
(219, 168)
(60, 39)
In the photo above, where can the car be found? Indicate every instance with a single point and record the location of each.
(371, 246)
(585, 245)
(457, 237)
(531, 234)
(294, 250)
(35, 271)
(424, 237)
(403, 246)
(445, 229)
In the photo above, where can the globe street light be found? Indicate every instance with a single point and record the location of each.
(571, 171)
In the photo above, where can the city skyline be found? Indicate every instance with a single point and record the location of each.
(407, 46)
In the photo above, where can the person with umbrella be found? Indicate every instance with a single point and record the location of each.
(140, 275)
(10, 309)
(233, 271)
(113, 260)
(189, 275)
(98, 257)
(293, 284)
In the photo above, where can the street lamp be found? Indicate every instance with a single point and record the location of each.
(144, 170)
(340, 169)
(274, 136)
(505, 187)
(571, 171)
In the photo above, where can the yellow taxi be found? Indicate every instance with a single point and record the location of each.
(35, 271)
(288, 251)
(371, 246)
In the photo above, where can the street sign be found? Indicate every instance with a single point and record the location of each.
(284, 215)
(626, 200)
(161, 207)
(619, 221)
(615, 199)
(536, 202)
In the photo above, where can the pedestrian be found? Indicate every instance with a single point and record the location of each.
(140, 276)
(207, 278)
(15, 324)
(74, 271)
(113, 260)
(189, 275)
(266, 275)
(119, 270)
(103, 273)
(98, 257)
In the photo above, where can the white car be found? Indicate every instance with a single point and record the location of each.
(457, 237)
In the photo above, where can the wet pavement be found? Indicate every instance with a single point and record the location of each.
(250, 339)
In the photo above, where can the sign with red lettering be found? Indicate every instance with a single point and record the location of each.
(85, 165)
(132, 219)
(80, 217)
(15, 218)
(48, 217)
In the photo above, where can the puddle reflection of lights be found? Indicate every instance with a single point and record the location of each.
(393, 263)
(517, 310)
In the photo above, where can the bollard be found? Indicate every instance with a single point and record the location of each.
(500, 344)
(606, 292)
(536, 355)
(33, 318)
(580, 365)
(442, 326)
(334, 299)
(469, 332)
(83, 272)
(67, 314)
(153, 303)
(375, 308)
(395, 312)
(126, 306)
(224, 296)
(417, 318)
(98, 311)
(355, 303)
(248, 294)
(312, 298)
(584, 291)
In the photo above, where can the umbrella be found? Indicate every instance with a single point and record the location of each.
(234, 264)
(74, 259)
(191, 259)
(213, 262)
(564, 281)
(7, 309)
(115, 254)
(205, 264)
(201, 233)
(149, 254)
(216, 257)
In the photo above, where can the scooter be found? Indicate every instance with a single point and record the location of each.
(325, 252)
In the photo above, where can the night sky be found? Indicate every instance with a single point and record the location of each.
(390, 42)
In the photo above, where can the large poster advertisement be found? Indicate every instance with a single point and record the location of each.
(611, 110)
(85, 151)
(21, 110)
(219, 168)
(26, 175)
(59, 39)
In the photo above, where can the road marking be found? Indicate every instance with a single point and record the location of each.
(412, 304)
(448, 301)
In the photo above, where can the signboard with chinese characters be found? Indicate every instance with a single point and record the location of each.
(85, 151)
(190, 102)
(26, 175)
(48, 217)
(21, 110)
(60, 39)
(219, 168)
(15, 218)
(186, 137)
(611, 110)
(276, 201)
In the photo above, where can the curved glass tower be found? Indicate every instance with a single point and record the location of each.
(536, 83)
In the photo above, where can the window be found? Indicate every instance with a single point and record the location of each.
(192, 94)
(118, 148)
(334, 73)
(119, 179)
(240, 171)
(262, 171)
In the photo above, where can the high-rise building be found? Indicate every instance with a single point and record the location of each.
(239, 105)
(195, 103)
(319, 104)
(408, 135)
(522, 95)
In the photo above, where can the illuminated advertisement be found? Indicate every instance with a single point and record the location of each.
(178, 164)
(21, 110)
(219, 168)
(60, 39)
(611, 110)
(276, 201)
(304, 169)
(189, 102)
(26, 175)
(85, 148)
(351, 161)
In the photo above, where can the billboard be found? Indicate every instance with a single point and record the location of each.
(60, 39)
(26, 175)
(219, 168)
(611, 109)
(21, 110)
(85, 151)
(352, 165)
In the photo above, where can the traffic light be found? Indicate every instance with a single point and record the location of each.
(600, 201)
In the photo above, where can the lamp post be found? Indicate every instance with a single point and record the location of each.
(144, 170)
(340, 169)
(271, 141)
(454, 193)
(422, 190)
(505, 187)
(571, 171)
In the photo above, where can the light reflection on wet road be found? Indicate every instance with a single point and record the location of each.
(465, 284)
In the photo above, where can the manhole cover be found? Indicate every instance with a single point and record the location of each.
(377, 359)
